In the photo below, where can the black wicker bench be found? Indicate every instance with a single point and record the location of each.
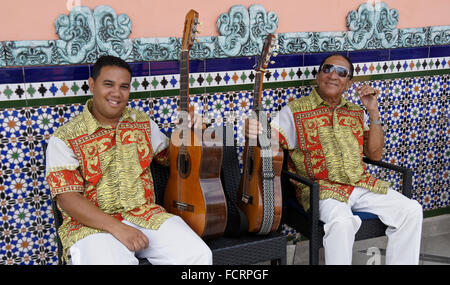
(308, 223)
(249, 249)
(244, 250)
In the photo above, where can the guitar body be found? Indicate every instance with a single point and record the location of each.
(194, 190)
(250, 199)
(250, 195)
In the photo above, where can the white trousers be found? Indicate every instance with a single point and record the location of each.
(174, 243)
(402, 216)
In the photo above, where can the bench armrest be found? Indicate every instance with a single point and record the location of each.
(406, 174)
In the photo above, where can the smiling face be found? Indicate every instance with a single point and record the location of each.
(331, 85)
(111, 91)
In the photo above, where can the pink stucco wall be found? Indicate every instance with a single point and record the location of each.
(34, 20)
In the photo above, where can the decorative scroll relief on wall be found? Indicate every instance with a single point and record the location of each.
(155, 49)
(31, 53)
(86, 34)
(2, 55)
(243, 31)
(372, 27)
(77, 34)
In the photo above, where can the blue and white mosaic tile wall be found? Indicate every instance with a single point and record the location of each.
(414, 85)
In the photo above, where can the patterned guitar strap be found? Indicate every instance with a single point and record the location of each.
(267, 173)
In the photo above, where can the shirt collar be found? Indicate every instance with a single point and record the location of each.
(318, 101)
(93, 124)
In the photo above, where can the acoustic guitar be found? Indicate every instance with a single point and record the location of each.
(259, 195)
(194, 190)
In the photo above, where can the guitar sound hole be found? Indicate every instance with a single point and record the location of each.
(184, 165)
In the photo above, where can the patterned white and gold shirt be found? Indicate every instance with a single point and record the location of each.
(110, 166)
(326, 145)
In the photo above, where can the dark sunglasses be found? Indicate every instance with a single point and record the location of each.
(340, 70)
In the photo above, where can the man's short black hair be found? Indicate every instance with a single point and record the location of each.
(352, 69)
(108, 60)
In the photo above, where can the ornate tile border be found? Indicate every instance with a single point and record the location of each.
(34, 86)
(241, 33)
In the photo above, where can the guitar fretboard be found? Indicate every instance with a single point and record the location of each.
(257, 91)
(184, 81)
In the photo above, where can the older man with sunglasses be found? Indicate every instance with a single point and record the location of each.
(326, 136)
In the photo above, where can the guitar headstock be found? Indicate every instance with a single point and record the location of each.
(267, 51)
(190, 30)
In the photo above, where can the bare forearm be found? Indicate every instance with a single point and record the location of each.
(85, 212)
(375, 140)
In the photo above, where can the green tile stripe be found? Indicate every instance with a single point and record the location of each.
(54, 101)
(436, 212)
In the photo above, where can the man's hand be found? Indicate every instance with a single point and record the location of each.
(253, 128)
(132, 238)
(368, 96)
(87, 213)
(375, 140)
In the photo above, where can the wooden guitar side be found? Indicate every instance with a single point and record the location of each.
(251, 186)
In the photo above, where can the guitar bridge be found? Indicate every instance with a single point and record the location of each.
(247, 199)
(183, 206)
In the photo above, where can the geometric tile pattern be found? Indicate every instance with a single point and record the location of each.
(414, 104)
(27, 235)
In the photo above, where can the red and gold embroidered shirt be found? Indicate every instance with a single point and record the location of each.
(110, 166)
(326, 145)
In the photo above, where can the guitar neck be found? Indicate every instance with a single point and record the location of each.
(257, 91)
(184, 81)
